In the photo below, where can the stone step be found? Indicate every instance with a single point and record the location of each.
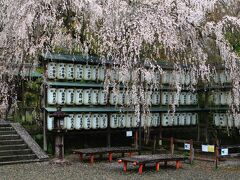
(13, 147)
(15, 152)
(19, 162)
(17, 157)
(11, 142)
(5, 125)
(7, 133)
(6, 128)
(9, 137)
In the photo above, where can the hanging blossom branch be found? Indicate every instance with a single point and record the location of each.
(122, 31)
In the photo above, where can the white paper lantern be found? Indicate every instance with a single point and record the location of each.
(61, 71)
(101, 73)
(70, 71)
(194, 118)
(78, 72)
(121, 98)
(87, 96)
(165, 119)
(165, 98)
(50, 123)
(52, 96)
(176, 119)
(61, 96)
(87, 121)
(188, 119)
(230, 120)
(70, 121)
(95, 121)
(87, 72)
(78, 96)
(223, 119)
(103, 120)
(121, 120)
(51, 70)
(129, 120)
(70, 97)
(94, 73)
(78, 121)
(156, 98)
(183, 98)
(113, 98)
(94, 97)
(102, 97)
(223, 98)
(182, 119)
(114, 120)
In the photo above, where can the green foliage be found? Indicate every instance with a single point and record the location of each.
(234, 39)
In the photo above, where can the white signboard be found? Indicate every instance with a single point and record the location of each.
(224, 152)
(129, 133)
(187, 146)
(204, 148)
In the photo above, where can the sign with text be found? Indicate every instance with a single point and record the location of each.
(208, 148)
(187, 146)
(204, 148)
(224, 152)
(129, 133)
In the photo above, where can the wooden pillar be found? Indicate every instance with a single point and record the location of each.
(43, 105)
(171, 145)
(136, 139)
(108, 132)
(191, 151)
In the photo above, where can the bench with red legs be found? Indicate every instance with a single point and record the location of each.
(91, 152)
(141, 160)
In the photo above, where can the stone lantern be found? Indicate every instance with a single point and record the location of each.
(59, 136)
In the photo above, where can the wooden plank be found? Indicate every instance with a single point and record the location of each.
(105, 150)
(143, 159)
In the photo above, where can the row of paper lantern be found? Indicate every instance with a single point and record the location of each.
(183, 98)
(75, 71)
(63, 96)
(179, 119)
(100, 121)
(184, 79)
(221, 78)
(128, 120)
(222, 98)
(226, 120)
(98, 72)
(81, 121)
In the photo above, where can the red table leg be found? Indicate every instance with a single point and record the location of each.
(157, 166)
(91, 158)
(140, 169)
(110, 157)
(81, 157)
(125, 166)
(178, 164)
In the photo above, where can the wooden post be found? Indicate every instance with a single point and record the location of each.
(125, 166)
(136, 139)
(110, 157)
(140, 169)
(43, 102)
(108, 132)
(154, 145)
(178, 164)
(216, 156)
(157, 166)
(171, 145)
(191, 151)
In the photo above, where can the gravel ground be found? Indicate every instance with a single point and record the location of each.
(103, 170)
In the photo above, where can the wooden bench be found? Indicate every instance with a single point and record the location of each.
(91, 152)
(141, 160)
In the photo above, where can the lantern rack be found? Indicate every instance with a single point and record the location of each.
(109, 108)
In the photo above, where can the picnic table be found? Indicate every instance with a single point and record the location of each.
(91, 152)
(141, 160)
